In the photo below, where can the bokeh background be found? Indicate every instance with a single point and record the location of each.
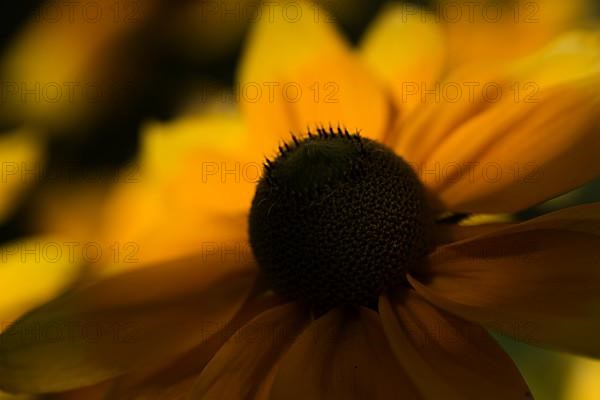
(98, 74)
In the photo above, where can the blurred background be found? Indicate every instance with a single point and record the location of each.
(81, 80)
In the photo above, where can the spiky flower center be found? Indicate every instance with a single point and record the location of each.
(337, 219)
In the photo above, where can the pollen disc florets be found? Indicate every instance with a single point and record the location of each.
(337, 219)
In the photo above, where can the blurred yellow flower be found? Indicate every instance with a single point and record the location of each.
(22, 154)
(60, 71)
(183, 326)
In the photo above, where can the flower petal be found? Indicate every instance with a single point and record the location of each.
(449, 233)
(193, 188)
(94, 392)
(343, 355)
(189, 189)
(241, 369)
(508, 149)
(445, 356)
(497, 31)
(178, 376)
(390, 50)
(22, 162)
(105, 329)
(34, 271)
(582, 383)
(298, 72)
(538, 281)
(6, 396)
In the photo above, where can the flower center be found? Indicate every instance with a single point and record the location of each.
(337, 219)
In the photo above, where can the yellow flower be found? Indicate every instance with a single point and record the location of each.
(208, 325)
(64, 68)
(22, 155)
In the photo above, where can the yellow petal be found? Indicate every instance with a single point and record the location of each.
(105, 329)
(508, 150)
(537, 281)
(405, 52)
(189, 191)
(22, 166)
(445, 356)
(195, 184)
(496, 31)
(582, 381)
(343, 355)
(240, 370)
(298, 72)
(164, 144)
(34, 271)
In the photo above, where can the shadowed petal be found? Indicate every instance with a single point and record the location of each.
(343, 355)
(445, 356)
(177, 376)
(123, 322)
(538, 281)
(244, 367)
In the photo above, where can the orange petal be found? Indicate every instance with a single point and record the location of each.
(6, 396)
(298, 72)
(508, 149)
(343, 355)
(177, 377)
(94, 392)
(537, 281)
(447, 357)
(242, 367)
(106, 329)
